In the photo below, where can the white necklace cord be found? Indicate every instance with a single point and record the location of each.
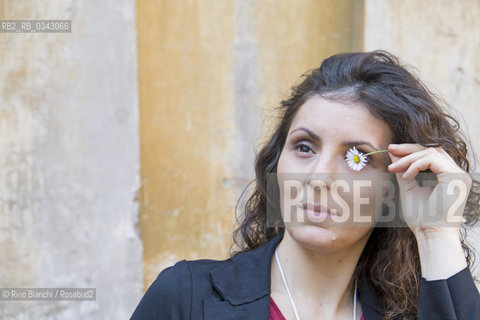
(286, 286)
(355, 301)
(291, 299)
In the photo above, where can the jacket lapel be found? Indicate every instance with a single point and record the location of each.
(244, 283)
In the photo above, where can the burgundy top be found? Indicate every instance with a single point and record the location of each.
(275, 313)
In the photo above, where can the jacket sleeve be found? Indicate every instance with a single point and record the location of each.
(169, 296)
(455, 298)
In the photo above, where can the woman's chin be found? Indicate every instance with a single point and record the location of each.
(320, 238)
(313, 236)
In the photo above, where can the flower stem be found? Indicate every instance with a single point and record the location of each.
(376, 152)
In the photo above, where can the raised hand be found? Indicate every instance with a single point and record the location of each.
(440, 249)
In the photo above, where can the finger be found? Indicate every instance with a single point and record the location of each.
(393, 157)
(403, 163)
(434, 161)
(442, 161)
(404, 148)
(417, 166)
(404, 185)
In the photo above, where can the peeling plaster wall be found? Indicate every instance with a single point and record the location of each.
(441, 39)
(69, 153)
(210, 73)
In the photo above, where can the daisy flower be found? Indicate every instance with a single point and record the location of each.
(357, 160)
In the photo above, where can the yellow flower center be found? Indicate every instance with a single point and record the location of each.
(356, 159)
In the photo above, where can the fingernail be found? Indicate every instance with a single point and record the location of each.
(393, 164)
(392, 145)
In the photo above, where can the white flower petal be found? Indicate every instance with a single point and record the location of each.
(350, 156)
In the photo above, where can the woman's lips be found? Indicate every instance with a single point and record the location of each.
(316, 213)
(316, 207)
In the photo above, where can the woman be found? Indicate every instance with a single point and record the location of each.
(358, 113)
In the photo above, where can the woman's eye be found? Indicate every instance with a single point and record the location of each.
(303, 148)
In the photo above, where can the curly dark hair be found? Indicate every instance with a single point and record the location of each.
(391, 92)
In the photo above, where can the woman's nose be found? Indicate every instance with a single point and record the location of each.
(326, 163)
(325, 169)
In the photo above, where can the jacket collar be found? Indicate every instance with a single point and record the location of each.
(246, 277)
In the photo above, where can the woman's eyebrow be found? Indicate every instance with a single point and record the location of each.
(358, 142)
(345, 144)
(309, 132)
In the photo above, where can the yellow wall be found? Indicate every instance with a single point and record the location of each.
(208, 72)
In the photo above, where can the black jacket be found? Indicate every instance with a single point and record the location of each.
(239, 288)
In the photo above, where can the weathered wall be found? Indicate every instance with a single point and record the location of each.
(209, 71)
(441, 40)
(69, 153)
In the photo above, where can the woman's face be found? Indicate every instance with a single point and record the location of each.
(314, 155)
